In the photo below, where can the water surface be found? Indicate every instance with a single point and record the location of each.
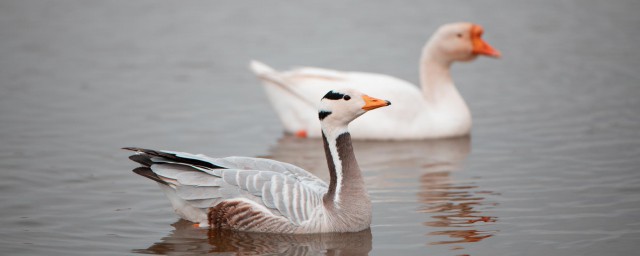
(552, 166)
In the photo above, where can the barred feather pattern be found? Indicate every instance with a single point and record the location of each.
(243, 216)
(241, 193)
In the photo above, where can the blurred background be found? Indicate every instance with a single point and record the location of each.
(551, 168)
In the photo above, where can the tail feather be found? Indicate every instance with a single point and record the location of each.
(260, 68)
(148, 173)
(271, 76)
(267, 73)
(142, 159)
(168, 156)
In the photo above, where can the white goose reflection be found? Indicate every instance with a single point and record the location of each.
(453, 207)
(429, 155)
(188, 240)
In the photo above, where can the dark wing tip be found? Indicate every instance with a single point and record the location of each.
(141, 159)
(133, 149)
(146, 172)
(170, 156)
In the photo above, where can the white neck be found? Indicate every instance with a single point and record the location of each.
(435, 77)
(332, 131)
(448, 112)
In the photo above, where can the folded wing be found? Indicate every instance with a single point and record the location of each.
(202, 182)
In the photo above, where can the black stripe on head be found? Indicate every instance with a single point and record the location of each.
(333, 95)
(322, 114)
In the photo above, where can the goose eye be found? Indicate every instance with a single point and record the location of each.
(346, 97)
(459, 35)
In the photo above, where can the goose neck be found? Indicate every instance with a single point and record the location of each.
(346, 182)
(435, 75)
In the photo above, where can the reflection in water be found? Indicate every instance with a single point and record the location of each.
(453, 207)
(372, 155)
(187, 240)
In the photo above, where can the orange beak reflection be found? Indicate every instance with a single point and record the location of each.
(479, 45)
(373, 103)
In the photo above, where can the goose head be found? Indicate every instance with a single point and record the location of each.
(459, 42)
(339, 107)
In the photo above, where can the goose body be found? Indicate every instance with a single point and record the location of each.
(436, 110)
(262, 195)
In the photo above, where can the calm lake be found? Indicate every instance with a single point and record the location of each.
(552, 166)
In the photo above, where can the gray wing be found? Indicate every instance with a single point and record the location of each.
(284, 189)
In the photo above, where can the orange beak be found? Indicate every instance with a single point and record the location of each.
(373, 103)
(479, 45)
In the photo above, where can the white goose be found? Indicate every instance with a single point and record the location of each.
(262, 195)
(438, 111)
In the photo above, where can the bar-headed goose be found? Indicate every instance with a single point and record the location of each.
(262, 195)
(436, 111)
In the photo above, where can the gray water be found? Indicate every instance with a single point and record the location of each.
(552, 166)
